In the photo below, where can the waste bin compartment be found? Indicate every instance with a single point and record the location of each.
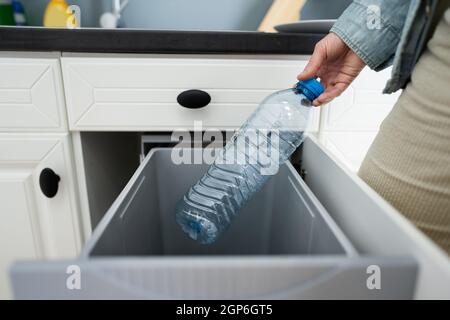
(284, 218)
(283, 245)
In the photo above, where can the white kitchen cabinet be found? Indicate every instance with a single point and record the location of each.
(130, 256)
(140, 94)
(33, 225)
(362, 107)
(349, 147)
(349, 123)
(31, 94)
(112, 93)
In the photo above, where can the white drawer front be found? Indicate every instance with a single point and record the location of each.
(141, 93)
(31, 95)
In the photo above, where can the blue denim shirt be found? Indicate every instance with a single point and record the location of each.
(387, 32)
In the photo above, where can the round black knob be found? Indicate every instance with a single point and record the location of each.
(48, 181)
(194, 99)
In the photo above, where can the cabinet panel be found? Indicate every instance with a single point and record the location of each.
(350, 122)
(34, 226)
(362, 107)
(348, 147)
(31, 95)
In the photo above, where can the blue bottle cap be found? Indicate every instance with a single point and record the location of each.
(311, 88)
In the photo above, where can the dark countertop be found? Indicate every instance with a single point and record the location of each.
(150, 41)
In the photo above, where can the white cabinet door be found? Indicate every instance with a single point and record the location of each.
(33, 225)
(31, 95)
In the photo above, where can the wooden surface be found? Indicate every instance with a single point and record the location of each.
(281, 11)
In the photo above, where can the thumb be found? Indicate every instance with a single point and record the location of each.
(313, 65)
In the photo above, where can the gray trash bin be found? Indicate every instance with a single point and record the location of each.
(282, 245)
(283, 218)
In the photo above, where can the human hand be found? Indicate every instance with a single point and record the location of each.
(335, 64)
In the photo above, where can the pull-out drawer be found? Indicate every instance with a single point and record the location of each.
(140, 94)
(31, 95)
(325, 236)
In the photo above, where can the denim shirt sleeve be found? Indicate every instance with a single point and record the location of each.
(374, 38)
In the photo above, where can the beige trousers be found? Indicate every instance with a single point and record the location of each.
(409, 162)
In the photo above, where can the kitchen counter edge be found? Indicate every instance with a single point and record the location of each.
(152, 41)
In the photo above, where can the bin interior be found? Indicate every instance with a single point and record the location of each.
(281, 219)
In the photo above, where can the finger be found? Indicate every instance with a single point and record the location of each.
(324, 83)
(330, 94)
(326, 97)
(313, 66)
(343, 79)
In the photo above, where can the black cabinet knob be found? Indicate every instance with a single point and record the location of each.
(48, 181)
(194, 99)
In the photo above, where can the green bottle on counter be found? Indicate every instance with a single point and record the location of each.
(6, 13)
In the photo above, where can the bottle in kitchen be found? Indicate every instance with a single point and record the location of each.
(6, 13)
(265, 141)
(19, 13)
(57, 15)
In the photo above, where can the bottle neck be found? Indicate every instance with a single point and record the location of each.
(311, 88)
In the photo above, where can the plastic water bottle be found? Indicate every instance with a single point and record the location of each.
(19, 13)
(266, 140)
